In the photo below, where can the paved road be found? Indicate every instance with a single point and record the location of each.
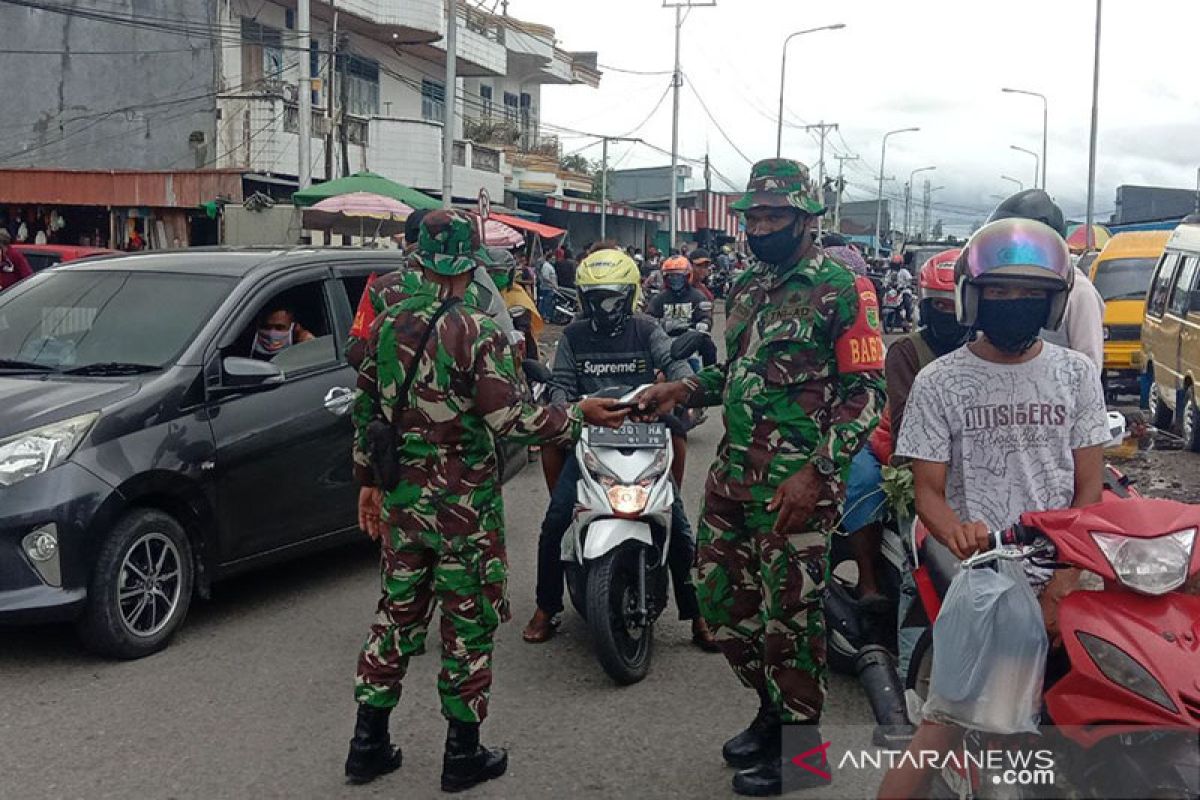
(253, 698)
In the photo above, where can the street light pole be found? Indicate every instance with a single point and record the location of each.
(783, 78)
(304, 98)
(879, 197)
(837, 203)
(1045, 125)
(1091, 193)
(1020, 185)
(1036, 161)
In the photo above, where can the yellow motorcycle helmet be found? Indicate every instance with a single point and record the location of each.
(610, 288)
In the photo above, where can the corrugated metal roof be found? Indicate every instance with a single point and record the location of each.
(122, 188)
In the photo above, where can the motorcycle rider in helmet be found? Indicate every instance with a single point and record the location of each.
(1083, 323)
(681, 305)
(1008, 424)
(939, 334)
(610, 346)
(899, 278)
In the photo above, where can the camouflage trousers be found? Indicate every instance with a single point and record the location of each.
(761, 593)
(425, 561)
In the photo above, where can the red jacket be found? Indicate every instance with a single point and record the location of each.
(13, 268)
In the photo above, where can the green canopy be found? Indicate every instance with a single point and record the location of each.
(365, 182)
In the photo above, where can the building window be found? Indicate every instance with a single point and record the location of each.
(433, 100)
(362, 87)
(262, 55)
(485, 94)
(511, 107)
(528, 113)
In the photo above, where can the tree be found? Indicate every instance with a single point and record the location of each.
(937, 230)
(577, 163)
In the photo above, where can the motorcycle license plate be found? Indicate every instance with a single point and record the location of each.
(629, 435)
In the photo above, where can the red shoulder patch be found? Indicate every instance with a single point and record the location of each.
(860, 347)
(365, 314)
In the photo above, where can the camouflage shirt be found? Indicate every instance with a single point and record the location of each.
(804, 375)
(467, 392)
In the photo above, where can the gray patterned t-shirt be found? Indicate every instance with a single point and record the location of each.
(1006, 430)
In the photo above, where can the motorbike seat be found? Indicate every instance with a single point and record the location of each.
(940, 563)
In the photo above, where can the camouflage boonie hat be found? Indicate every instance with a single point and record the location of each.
(779, 182)
(448, 244)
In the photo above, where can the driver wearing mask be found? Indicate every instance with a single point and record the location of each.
(610, 346)
(277, 330)
(681, 305)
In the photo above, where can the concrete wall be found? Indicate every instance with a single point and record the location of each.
(133, 110)
(272, 226)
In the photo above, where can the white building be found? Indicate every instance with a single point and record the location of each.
(389, 80)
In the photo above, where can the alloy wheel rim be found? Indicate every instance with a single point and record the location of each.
(149, 584)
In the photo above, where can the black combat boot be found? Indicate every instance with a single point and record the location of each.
(467, 762)
(769, 777)
(758, 741)
(371, 751)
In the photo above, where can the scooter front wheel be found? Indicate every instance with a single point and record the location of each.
(623, 642)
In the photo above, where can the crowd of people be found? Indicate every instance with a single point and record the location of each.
(993, 420)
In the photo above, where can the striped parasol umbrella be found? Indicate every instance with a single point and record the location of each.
(1077, 237)
(358, 214)
(497, 234)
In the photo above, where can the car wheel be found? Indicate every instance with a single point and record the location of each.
(1190, 423)
(140, 588)
(1160, 414)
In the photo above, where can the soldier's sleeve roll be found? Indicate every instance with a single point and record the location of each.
(366, 408)
(860, 391)
(499, 401)
(706, 386)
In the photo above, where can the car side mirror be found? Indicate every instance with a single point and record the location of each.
(247, 375)
(1194, 300)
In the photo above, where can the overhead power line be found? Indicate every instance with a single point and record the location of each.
(717, 125)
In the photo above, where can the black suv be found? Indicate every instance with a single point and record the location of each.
(147, 448)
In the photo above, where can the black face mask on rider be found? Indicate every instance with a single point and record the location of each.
(1013, 325)
(776, 248)
(945, 334)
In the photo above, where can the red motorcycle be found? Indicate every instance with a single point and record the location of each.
(1124, 689)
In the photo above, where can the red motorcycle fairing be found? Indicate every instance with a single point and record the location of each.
(1162, 634)
(1134, 518)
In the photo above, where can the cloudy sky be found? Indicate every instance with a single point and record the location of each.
(936, 64)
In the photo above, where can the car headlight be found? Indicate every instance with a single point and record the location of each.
(33, 452)
(628, 499)
(1121, 668)
(1150, 566)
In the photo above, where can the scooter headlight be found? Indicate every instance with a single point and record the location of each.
(1150, 566)
(1121, 668)
(656, 468)
(628, 499)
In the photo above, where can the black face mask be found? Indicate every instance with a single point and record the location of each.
(775, 248)
(1013, 325)
(677, 283)
(944, 331)
(608, 311)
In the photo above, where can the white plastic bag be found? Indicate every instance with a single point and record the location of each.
(989, 652)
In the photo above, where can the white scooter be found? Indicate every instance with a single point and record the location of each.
(616, 550)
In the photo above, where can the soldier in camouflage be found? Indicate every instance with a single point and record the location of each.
(441, 524)
(801, 391)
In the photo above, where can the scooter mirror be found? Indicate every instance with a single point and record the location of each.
(536, 371)
(687, 344)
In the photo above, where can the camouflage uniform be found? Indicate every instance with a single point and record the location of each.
(803, 380)
(445, 519)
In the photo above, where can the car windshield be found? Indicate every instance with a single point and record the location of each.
(96, 322)
(1124, 278)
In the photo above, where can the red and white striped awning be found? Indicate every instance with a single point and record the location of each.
(614, 209)
(687, 220)
(718, 216)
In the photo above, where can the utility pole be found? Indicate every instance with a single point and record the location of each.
(604, 179)
(676, 85)
(925, 214)
(841, 187)
(823, 130)
(449, 99)
(907, 207)
(1091, 192)
(331, 93)
(707, 173)
(304, 150)
(1198, 190)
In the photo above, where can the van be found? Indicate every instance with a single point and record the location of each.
(1121, 273)
(1171, 335)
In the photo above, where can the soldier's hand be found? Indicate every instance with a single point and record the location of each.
(795, 500)
(660, 399)
(598, 411)
(370, 511)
